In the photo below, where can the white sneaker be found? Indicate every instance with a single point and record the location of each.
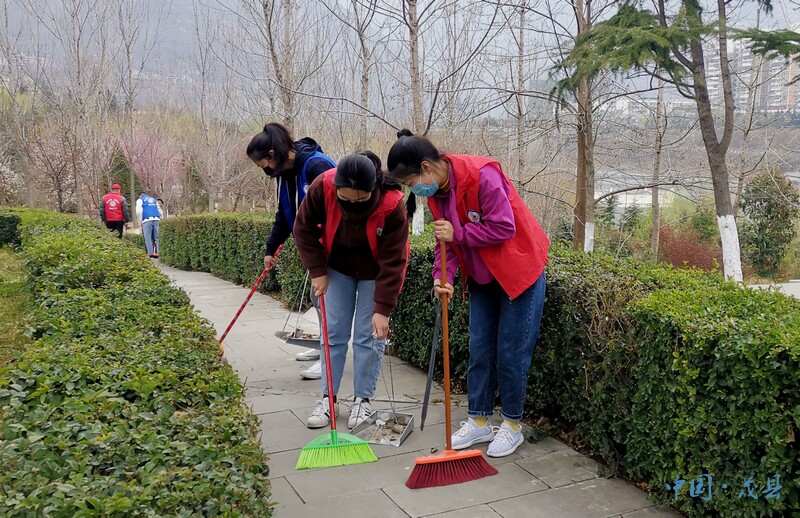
(359, 412)
(321, 415)
(470, 433)
(505, 442)
(311, 354)
(312, 373)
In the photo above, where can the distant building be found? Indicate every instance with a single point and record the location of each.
(770, 78)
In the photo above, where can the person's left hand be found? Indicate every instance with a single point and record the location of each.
(380, 326)
(443, 230)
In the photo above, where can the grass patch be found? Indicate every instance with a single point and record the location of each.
(14, 304)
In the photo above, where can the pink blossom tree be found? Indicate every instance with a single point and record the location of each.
(156, 162)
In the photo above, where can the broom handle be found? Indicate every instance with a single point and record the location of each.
(249, 296)
(328, 373)
(445, 348)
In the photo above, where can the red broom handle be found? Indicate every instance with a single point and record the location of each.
(445, 347)
(249, 296)
(328, 373)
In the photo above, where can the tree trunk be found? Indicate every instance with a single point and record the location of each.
(365, 64)
(583, 227)
(658, 145)
(588, 238)
(418, 222)
(716, 151)
(287, 94)
(583, 238)
(520, 100)
(414, 65)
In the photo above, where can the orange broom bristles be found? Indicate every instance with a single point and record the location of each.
(449, 467)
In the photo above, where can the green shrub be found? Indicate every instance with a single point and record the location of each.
(9, 234)
(122, 406)
(229, 245)
(772, 206)
(137, 240)
(716, 393)
(291, 277)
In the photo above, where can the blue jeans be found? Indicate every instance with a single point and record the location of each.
(150, 231)
(502, 336)
(349, 305)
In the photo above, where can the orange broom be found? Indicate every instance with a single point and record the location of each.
(450, 466)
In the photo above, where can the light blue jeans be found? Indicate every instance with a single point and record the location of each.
(349, 305)
(150, 231)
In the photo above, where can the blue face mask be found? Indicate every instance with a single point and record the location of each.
(420, 189)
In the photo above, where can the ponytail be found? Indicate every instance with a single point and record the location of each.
(384, 182)
(407, 154)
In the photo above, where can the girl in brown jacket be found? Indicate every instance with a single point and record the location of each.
(352, 235)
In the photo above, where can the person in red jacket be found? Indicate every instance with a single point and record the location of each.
(501, 249)
(352, 235)
(114, 210)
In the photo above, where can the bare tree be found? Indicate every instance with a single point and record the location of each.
(358, 17)
(211, 143)
(72, 42)
(658, 147)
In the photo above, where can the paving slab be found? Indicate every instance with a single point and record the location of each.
(560, 468)
(283, 463)
(280, 420)
(283, 495)
(320, 484)
(653, 512)
(478, 511)
(510, 481)
(598, 498)
(366, 504)
(542, 447)
(278, 401)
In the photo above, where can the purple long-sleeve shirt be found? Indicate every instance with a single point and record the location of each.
(495, 226)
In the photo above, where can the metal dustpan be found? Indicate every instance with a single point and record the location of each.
(382, 429)
(300, 338)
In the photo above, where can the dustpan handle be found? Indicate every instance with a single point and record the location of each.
(328, 374)
(445, 348)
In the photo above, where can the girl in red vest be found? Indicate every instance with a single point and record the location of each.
(496, 241)
(352, 234)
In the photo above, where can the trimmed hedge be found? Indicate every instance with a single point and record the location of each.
(664, 372)
(229, 245)
(717, 393)
(136, 240)
(122, 406)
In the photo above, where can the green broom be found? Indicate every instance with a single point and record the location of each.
(333, 449)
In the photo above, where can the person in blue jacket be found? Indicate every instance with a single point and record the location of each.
(150, 216)
(294, 165)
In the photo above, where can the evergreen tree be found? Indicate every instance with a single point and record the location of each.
(771, 205)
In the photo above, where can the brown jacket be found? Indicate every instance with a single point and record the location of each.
(350, 253)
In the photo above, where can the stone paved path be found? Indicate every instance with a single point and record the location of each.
(546, 479)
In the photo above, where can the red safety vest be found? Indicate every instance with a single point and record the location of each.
(516, 263)
(375, 222)
(112, 204)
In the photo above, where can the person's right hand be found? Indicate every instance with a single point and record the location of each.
(320, 285)
(440, 291)
(269, 261)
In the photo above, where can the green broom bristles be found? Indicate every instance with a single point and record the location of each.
(335, 449)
